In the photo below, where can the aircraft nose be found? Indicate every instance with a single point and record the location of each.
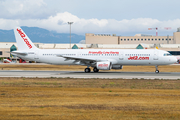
(173, 60)
(178, 59)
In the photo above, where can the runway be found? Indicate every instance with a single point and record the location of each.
(79, 74)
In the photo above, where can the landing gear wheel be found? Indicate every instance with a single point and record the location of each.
(87, 70)
(95, 69)
(157, 71)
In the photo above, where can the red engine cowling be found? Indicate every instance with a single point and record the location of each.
(104, 65)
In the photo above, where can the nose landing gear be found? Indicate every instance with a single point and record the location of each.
(157, 71)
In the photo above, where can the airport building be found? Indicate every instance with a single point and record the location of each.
(137, 39)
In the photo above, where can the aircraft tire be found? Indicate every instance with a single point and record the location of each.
(157, 71)
(95, 69)
(87, 70)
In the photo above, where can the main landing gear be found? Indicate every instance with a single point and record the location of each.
(87, 70)
(95, 69)
(157, 71)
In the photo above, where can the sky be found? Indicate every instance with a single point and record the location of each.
(120, 17)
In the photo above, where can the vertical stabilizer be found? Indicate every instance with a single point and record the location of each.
(23, 41)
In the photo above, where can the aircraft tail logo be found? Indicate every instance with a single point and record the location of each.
(23, 41)
(24, 38)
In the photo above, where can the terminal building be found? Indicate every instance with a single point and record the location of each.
(138, 38)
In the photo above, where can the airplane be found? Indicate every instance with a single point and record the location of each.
(99, 59)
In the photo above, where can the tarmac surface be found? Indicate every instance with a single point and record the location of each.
(79, 74)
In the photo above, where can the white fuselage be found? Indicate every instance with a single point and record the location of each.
(116, 56)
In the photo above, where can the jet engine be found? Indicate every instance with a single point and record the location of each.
(104, 65)
(117, 66)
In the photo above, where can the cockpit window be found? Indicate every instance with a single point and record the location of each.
(167, 54)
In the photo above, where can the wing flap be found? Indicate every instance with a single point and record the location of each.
(79, 58)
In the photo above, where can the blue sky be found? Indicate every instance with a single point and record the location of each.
(121, 17)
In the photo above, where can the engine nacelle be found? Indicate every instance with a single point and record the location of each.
(117, 66)
(104, 65)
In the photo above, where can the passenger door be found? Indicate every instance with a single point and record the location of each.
(121, 56)
(155, 57)
(36, 55)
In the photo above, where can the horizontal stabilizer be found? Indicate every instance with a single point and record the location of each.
(18, 53)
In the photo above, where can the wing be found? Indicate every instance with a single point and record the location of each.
(79, 58)
(87, 61)
(82, 60)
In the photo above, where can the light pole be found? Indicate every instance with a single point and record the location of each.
(70, 32)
